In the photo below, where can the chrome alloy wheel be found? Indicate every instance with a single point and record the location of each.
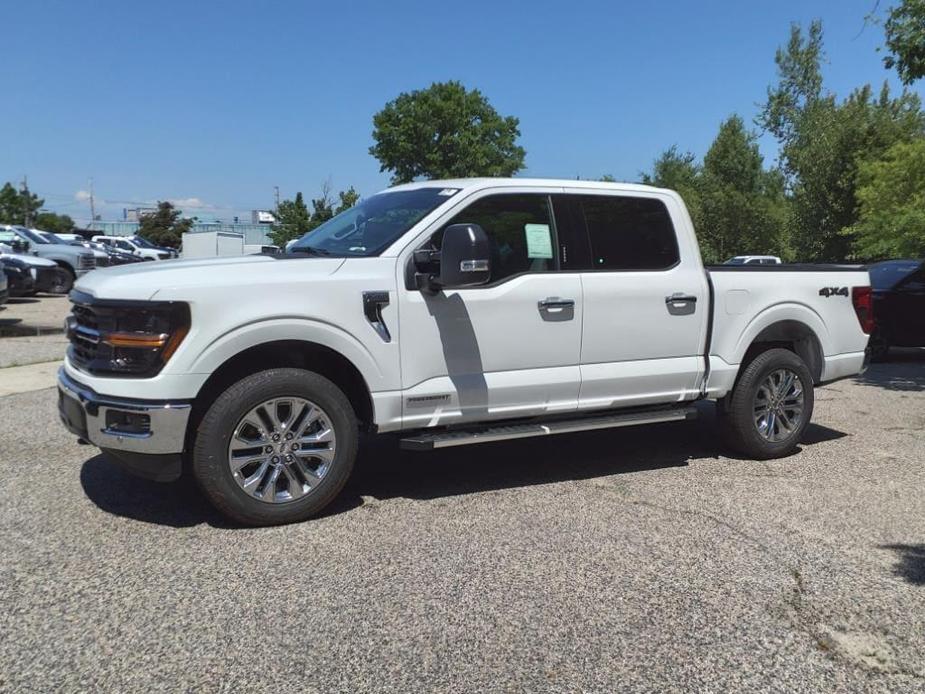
(778, 407)
(282, 449)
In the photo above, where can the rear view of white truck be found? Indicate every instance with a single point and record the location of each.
(447, 313)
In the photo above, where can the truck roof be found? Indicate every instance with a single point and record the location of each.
(477, 183)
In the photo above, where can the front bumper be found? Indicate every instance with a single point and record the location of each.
(99, 419)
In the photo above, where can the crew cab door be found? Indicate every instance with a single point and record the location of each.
(646, 300)
(506, 349)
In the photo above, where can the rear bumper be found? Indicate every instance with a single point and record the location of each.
(840, 366)
(100, 419)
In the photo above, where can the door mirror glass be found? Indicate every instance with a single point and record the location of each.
(464, 257)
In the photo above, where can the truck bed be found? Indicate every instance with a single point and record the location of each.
(746, 305)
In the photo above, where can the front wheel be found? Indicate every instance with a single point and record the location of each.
(276, 447)
(770, 406)
(61, 281)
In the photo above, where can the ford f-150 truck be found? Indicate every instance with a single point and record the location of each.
(448, 313)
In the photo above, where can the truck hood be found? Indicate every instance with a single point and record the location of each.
(142, 281)
(31, 260)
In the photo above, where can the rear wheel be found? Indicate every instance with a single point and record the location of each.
(276, 447)
(879, 346)
(770, 406)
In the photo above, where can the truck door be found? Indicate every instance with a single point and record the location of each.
(646, 300)
(506, 349)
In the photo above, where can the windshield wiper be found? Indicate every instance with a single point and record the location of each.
(309, 250)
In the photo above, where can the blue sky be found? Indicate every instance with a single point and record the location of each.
(214, 103)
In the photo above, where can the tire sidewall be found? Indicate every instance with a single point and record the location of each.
(210, 452)
(742, 405)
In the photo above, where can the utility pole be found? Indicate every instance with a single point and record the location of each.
(92, 205)
(26, 203)
(276, 188)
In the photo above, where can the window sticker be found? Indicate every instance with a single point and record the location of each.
(539, 241)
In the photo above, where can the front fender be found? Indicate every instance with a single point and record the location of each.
(256, 333)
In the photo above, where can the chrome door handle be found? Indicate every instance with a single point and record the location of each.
(679, 298)
(554, 302)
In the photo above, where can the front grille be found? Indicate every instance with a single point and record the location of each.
(102, 262)
(86, 262)
(87, 351)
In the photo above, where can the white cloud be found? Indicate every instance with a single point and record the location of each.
(190, 203)
(82, 196)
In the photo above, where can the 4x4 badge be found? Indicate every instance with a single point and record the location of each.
(833, 291)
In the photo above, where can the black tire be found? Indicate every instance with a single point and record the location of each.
(210, 452)
(879, 346)
(737, 418)
(62, 281)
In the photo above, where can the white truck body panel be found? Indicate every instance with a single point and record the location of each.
(487, 352)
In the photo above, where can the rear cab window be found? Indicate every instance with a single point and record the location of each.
(628, 233)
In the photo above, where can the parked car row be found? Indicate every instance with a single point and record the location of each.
(34, 261)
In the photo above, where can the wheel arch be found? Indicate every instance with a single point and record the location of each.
(294, 353)
(794, 335)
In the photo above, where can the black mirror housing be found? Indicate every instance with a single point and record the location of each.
(465, 257)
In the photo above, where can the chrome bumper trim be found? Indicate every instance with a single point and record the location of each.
(168, 419)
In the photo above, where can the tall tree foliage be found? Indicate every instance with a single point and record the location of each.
(824, 141)
(742, 209)
(293, 220)
(891, 194)
(905, 39)
(737, 206)
(165, 226)
(445, 131)
(18, 206)
(55, 223)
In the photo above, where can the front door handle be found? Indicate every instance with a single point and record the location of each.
(554, 302)
(679, 298)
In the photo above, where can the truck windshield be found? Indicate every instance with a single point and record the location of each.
(371, 226)
(31, 236)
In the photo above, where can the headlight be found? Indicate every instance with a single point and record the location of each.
(131, 338)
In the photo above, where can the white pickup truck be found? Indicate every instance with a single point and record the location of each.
(450, 313)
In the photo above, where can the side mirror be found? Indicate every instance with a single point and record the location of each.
(464, 257)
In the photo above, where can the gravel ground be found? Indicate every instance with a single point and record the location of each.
(632, 560)
(17, 351)
(32, 316)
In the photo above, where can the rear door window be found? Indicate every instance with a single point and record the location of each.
(629, 233)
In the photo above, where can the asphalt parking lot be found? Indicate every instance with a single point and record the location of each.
(632, 560)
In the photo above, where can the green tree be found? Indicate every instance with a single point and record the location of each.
(18, 206)
(824, 141)
(55, 223)
(292, 221)
(905, 39)
(348, 198)
(164, 227)
(741, 206)
(445, 131)
(891, 194)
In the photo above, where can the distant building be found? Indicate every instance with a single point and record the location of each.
(262, 217)
(135, 214)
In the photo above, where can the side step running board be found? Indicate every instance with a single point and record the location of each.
(444, 439)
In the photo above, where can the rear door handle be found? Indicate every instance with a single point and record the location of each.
(679, 298)
(554, 302)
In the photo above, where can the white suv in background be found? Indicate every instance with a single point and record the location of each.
(754, 260)
(136, 246)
